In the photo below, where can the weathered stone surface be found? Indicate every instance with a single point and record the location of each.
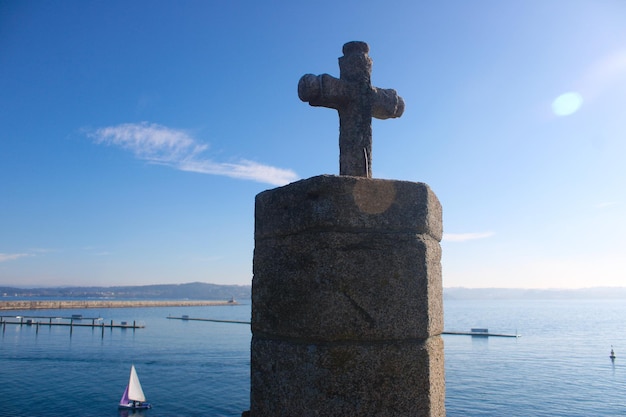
(348, 286)
(353, 96)
(346, 379)
(343, 203)
(347, 300)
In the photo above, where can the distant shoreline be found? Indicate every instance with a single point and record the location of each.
(67, 304)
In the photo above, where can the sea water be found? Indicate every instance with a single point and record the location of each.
(559, 367)
(186, 368)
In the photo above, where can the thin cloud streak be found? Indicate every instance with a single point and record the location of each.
(176, 148)
(464, 237)
(5, 257)
(245, 170)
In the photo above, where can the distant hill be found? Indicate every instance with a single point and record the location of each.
(190, 291)
(459, 293)
(205, 291)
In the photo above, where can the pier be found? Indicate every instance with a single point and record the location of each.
(32, 321)
(75, 320)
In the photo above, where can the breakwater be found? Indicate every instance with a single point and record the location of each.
(66, 304)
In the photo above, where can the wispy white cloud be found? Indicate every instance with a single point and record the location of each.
(464, 237)
(178, 149)
(245, 170)
(5, 257)
(42, 250)
(96, 251)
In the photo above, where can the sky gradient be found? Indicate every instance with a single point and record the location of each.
(134, 136)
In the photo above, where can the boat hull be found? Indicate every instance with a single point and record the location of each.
(135, 406)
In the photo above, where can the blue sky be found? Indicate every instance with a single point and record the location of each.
(134, 136)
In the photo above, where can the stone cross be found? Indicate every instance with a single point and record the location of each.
(353, 96)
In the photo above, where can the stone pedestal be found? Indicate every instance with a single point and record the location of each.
(347, 300)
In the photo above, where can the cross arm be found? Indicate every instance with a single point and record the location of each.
(386, 103)
(322, 90)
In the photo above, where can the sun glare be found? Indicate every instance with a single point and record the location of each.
(567, 104)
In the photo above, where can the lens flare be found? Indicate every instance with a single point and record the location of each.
(567, 104)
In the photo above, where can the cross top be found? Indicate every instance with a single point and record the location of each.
(356, 101)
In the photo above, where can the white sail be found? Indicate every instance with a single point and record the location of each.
(135, 393)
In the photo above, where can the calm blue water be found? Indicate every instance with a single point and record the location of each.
(560, 366)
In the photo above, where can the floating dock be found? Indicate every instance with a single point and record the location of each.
(482, 333)
(187, 318)
(473, 332)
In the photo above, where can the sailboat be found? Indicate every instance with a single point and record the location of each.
(134, 397)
